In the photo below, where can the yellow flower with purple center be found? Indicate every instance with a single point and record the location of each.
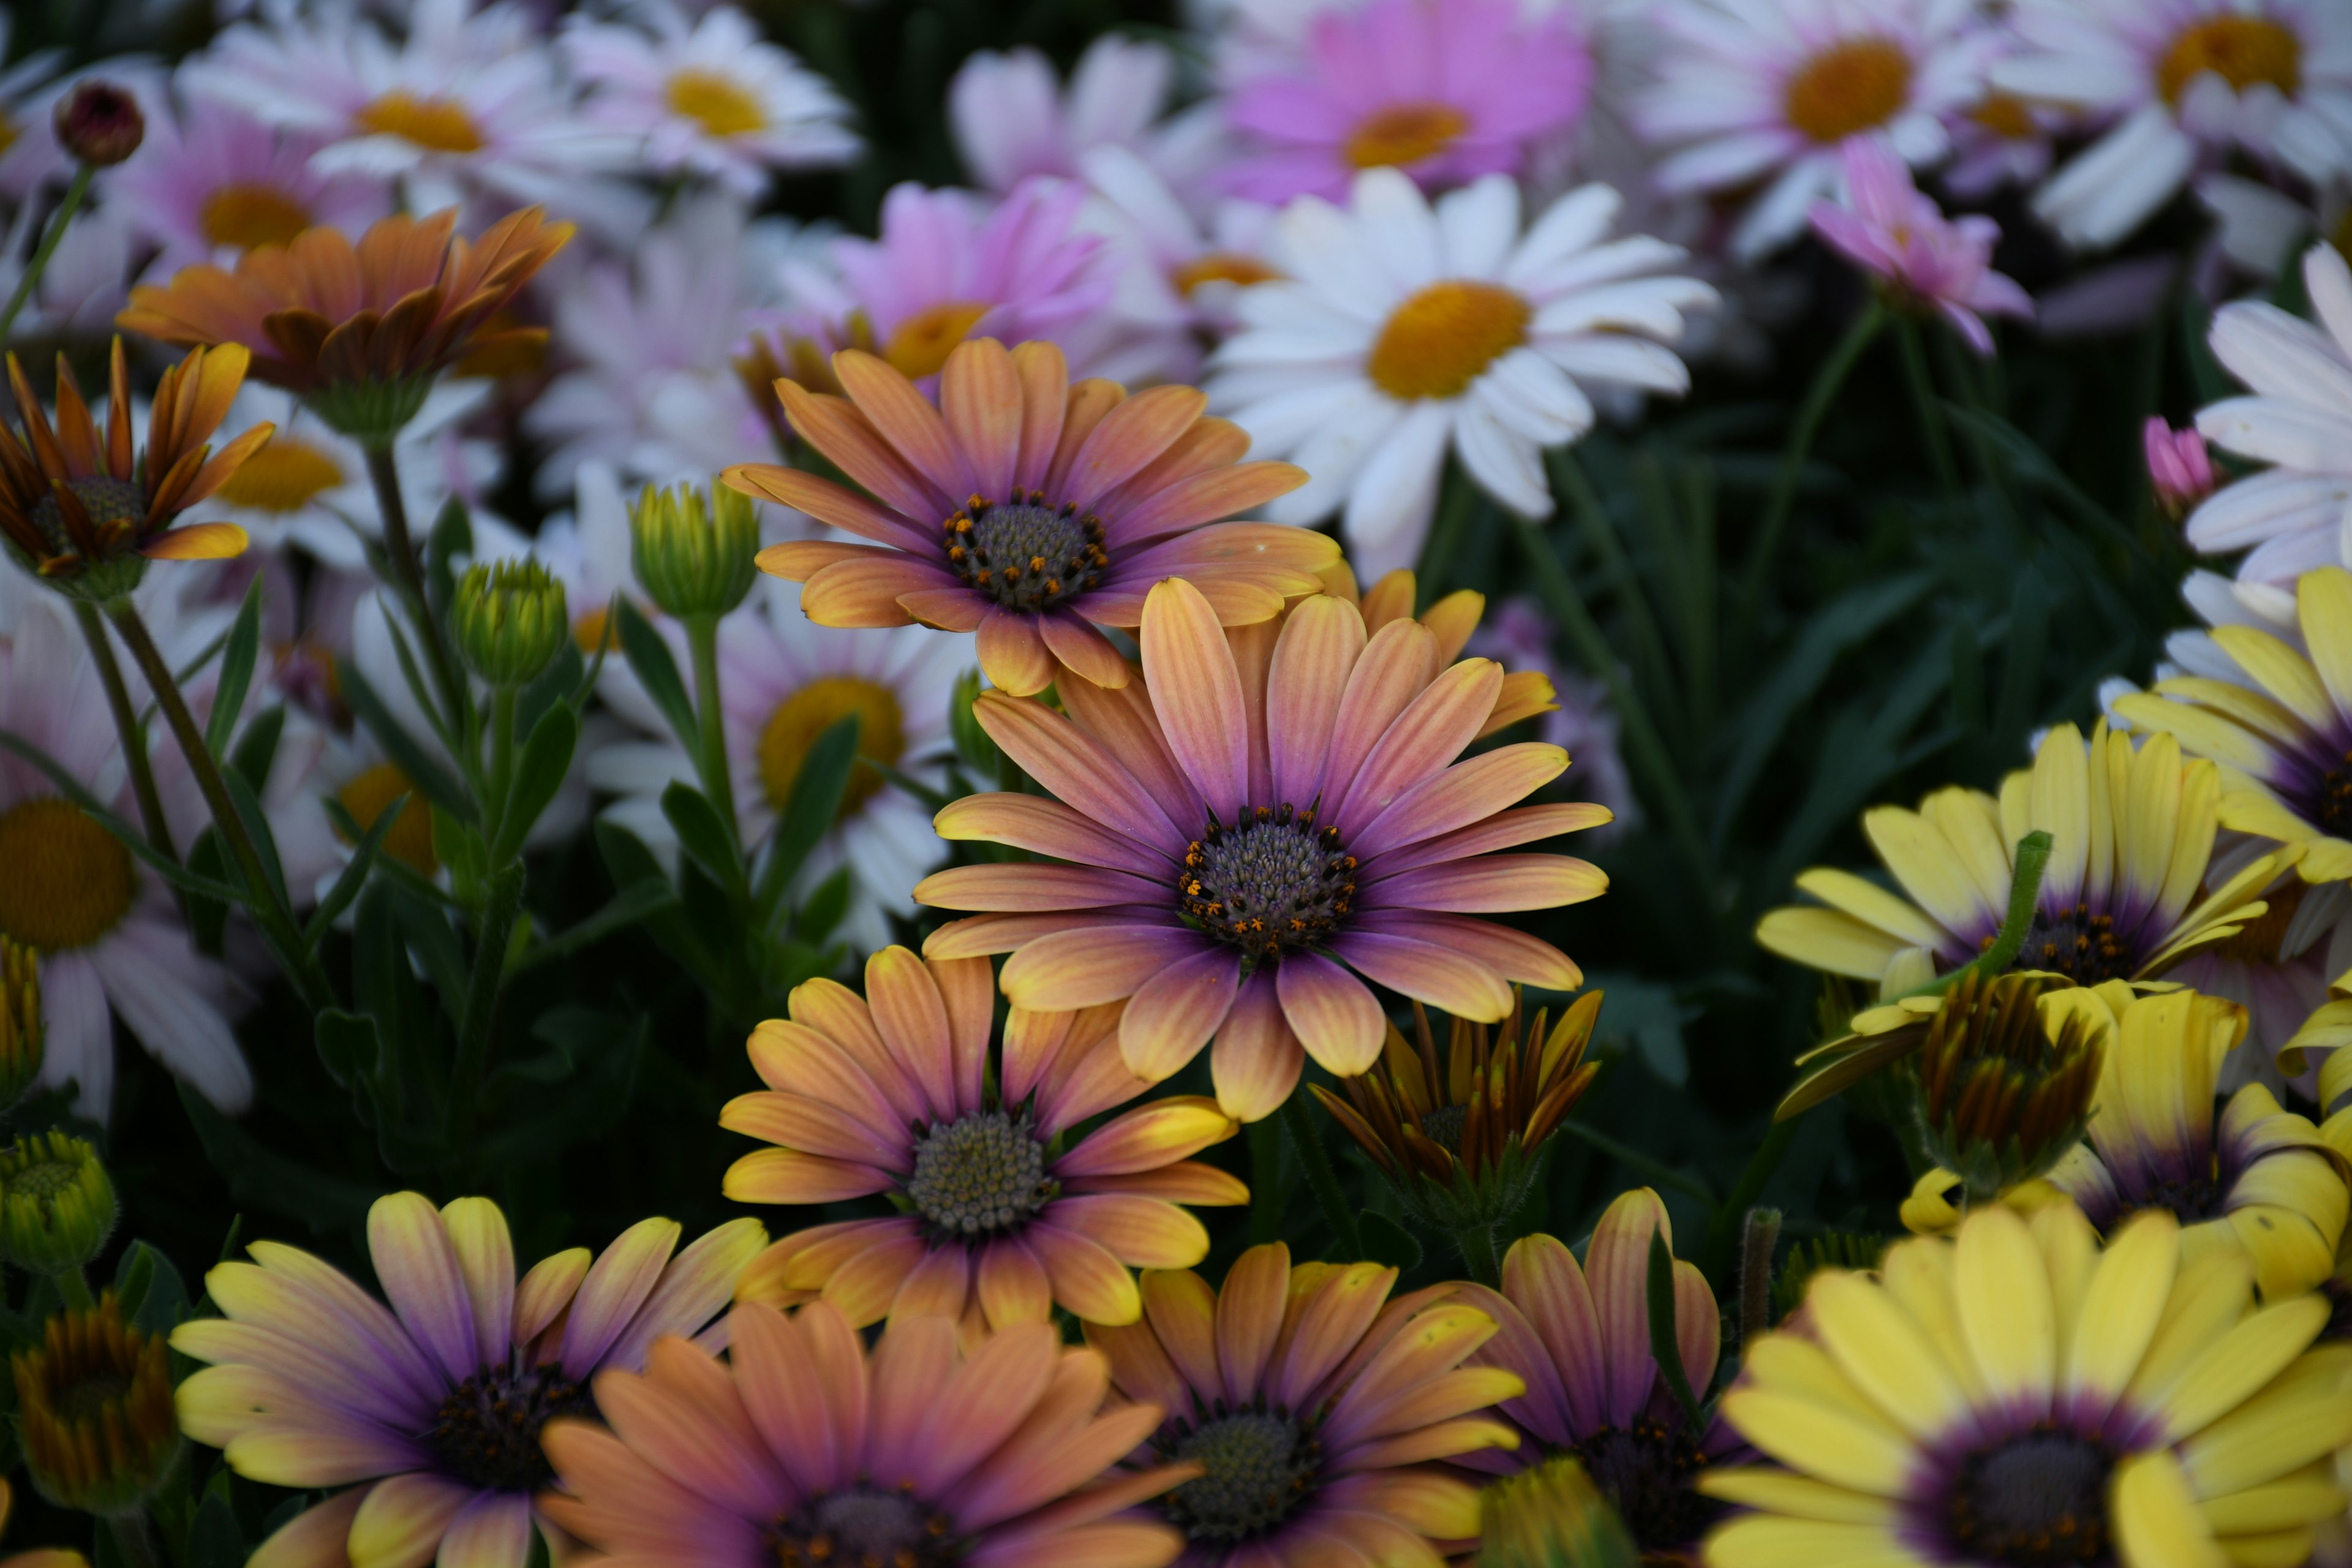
(1314, 1406)
(900, 1093)
(427, 1412)
(1270, 817)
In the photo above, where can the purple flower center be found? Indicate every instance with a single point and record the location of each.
(485, 1432)
(2339, 1292)
(2331, 797)
(1647, 1471)
(2079, 944)
(863, 1528)
(2037, 1499)
(1271, 884)
(1258, 1467)
(1026, 553)
(979, 1175)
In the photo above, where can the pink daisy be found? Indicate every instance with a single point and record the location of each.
(1891, 229)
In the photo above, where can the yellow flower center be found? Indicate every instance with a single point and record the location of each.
(410, 842)
(817, 707)
(285, 476)
(720, 104)
(1404, 133)
(2240, 50)
(1437, 342)
(594, 629)
(923, 341)
(1851, 86)
(2004, 116)
(249, 216)
(436, 124)
(1221, 267)
(65, 882)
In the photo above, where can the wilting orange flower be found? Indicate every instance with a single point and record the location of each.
(85, 508)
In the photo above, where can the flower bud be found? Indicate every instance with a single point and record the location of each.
(2178, 465)
(94, 1407)
(2005, 1076)
(511, 621)
(694, 553)
(100, 123)
(1550, 1517)
(56, 1204)
(20, 1021)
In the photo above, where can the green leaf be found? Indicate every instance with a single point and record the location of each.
(702, 835)
(1666, 1348)
(658, 672)
(972, 743)
(401, 748)
(634, 903)
(348, 1046)
(452, 536)
(1385, 1241)
(262, 1179)
(538, 773)
(214, 1538)
(256, 828)
(133, 840)
(354, 875)
(149, 1289)
(257, 750)
(563, 675)
(827, 902)
(809, 813)
(237, 659)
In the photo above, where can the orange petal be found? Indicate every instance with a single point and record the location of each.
(198, 542)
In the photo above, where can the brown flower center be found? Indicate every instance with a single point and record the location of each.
(2241, 50)
(245, 215)
(2079, 942)
(1439, 341)
(1027, 554)
(1404, 133)
(718, 103)
(817, 707)
(1270, 884)
(864, 1527)
(1853, 85)
(2331, 804)
(2038, 1499)
(285, 476)
(410, 842)
(1647, 1471)
(65, 882)
(979, 1175)
(436, 124)
(1258, 1465)
(486, 1430)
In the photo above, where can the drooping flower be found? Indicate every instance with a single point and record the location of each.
(902, 1092)
(2123, 896)
(1267, 814)
(1891, 230)
(1027, 508)
(806, 1448)
(1750, 92)
(1314, 1404)
(2178, 469)
(709, 97)
(1467, 335)
(428, 1413)
(2176, 85)
(1444, 92)
(1579, 1338)
(2020, 1397)
(1011, 120)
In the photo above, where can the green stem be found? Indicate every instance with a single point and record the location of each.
(502, 748)
(1938, 440)
(1265, 1182)
(494, 932)
(133, 1539)
(1476, 1244)
(1641, 1165)
(702, 642)
(2024, 894)
(74, 1290)
(40, 262)
(408, 580)
(1643, 627)
(1809, 413)
(1445, 541)
(1320, 1175)
(127, 727)
(1723, 1229)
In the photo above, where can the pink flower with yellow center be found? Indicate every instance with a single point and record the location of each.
(805, 1448)
(1271, 817)
(901, 1093)
(1314, 1405)
(1027, 508)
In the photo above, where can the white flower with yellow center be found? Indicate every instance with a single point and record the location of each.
(711, 99)
(2181, 84)
(1399, 328)
(784, 681)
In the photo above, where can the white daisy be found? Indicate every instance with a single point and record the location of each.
(1178, 277)
(2181, 84)
(1011, 118)
(784, 681)
(1764, 90)
(1398, 330)
(2297, 515)
(710, 97)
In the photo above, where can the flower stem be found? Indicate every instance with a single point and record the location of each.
(494, 932)
(1809, 413)
(40, 262)
(502, 745)
(126, 726)
(1316, 1164)
(132, 1538)
(1476, 1244)
(1265, 1182)
(408, 577)
(1938, 440)
(74, 1290)
(702, 642)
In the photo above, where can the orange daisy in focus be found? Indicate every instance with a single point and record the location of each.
(85, 509)
(1028, 510)
(360, 330)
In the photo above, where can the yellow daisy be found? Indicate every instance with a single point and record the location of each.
(2017, 1395)
(2328, 1029)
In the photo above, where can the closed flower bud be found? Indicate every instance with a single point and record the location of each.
(20, 1021)
(100, 123)
(511, 621)
(1550, 1517)
(694, 551)
(56, 1204)
(94, 1408)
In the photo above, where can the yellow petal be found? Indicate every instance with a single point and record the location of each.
(1817, 1440)
(1883, 1348)
(2156, 1522)
(2005, 1310)
(1773, 1490)
(197, 542)
(2123, 1304)
(1765, 1540)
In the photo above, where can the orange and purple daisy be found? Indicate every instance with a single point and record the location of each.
(1027, 508)
(1314, 1408)
(804, 1448)
(900, 1093)
(1270, 817)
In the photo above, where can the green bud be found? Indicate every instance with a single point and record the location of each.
(511, 621)
(372, 413)
(57, 1205)
(20, 1021)
(694, 553)
(1551, 1517)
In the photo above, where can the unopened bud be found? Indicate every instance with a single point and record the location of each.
(100, 123)
(94, 1408)
(56, 1204)
(2178, 467)
(20, 1021)
(693, 552)
(511, 621)
(1551, 1517)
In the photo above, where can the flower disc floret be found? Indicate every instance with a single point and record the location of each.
(1257, 1467)
(486, 1430)
(1273, 883)
(980, 1174)
(1027, 553)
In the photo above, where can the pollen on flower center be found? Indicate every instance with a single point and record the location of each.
(920, 345)
(1270, 884)
(1405, 133)
(436, 124)
(65, 882)
(980, 1174)
(1258, 1467)
(114, 505)
(1852, 85)
(1436, 343)
(1221, 267)
(486, 1431)
(863, 1525)
(718, 103)
(368, 795)
(1645, 1472)
(1026, 554)
(245, 215)
(285, 476)
(800, 719)
(2037, 1499)
(2079, 942)
(2244, 51)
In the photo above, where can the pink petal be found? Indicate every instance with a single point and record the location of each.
(1332, 1013)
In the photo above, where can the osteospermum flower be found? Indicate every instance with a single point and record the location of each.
(710, 98)
(2123, 896)
(913, 1453)
(1314, 1405)
(902, 1093)
(1444, 92)
(1242, 877)
(1895, 233)
(1579, 1338)
(1467, 335)
(2017, 1397)
(1750, 91)
(428, 1412)
(1026, 508)
(2177, 84)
